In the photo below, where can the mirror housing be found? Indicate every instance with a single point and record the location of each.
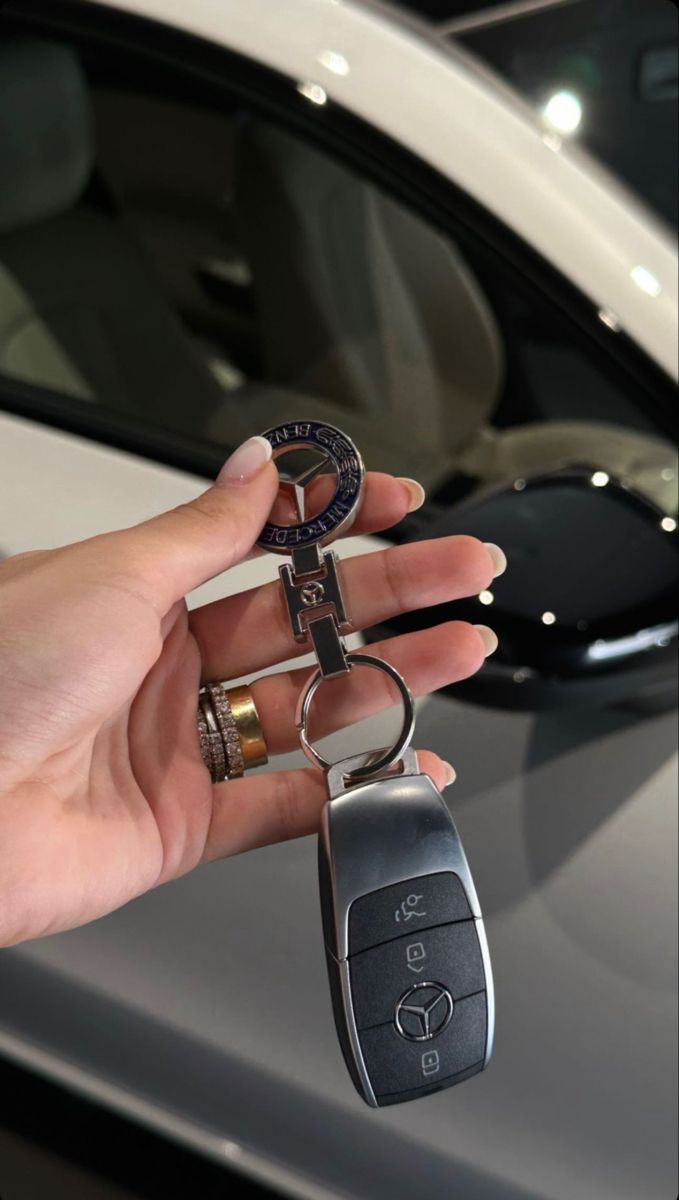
(586, 612)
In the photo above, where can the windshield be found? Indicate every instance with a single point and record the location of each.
(602, 72)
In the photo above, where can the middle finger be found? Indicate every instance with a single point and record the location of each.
(251, 630)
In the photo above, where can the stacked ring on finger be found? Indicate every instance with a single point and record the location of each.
(230, 732)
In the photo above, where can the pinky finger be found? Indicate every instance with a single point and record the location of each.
(280, 805)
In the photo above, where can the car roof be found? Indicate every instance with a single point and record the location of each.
(444, 105)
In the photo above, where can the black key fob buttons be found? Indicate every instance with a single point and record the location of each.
(408, 960)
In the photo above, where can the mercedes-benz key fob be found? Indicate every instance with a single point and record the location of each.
(406, 949)
(408, 961)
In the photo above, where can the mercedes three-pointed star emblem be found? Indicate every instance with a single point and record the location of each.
(423, 1012)
(332, 449)
(295, 489)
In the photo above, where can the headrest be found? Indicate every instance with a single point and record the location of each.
(46, 138)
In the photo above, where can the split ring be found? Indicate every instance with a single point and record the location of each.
(374, 765)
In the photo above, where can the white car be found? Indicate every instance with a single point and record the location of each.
(218, 216)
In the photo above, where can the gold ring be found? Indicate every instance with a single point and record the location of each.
(230, 732)
(248, 724)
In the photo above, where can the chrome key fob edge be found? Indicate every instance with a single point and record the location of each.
(376, 837)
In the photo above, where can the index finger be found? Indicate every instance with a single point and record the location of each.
(385, 500)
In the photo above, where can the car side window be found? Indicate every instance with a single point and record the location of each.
(203, 271)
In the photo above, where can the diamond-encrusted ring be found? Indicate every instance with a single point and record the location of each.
(229, 731)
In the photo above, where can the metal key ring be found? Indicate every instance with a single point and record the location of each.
(374, 765)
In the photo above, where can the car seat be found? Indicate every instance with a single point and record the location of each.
(375, 316)
(80, 312)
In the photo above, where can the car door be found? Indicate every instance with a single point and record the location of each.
(202, 1008)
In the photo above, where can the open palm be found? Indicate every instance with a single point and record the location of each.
(103, 792)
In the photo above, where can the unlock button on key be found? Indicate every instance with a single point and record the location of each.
(449, 954)
(415, 957)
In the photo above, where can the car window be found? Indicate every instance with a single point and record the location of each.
(206, 272)
(190, 262)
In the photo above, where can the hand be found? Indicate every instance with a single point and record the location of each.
(103, 792)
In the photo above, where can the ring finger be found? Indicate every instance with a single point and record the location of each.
(427, 659)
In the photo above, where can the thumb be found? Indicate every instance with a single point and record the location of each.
(185, 546)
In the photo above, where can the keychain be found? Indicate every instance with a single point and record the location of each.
(408, 961)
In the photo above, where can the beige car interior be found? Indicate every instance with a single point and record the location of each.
(369, 310)
(366, 317)
(79, 311)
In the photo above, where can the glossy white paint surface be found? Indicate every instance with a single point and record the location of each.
(568, 821)
(457, 116)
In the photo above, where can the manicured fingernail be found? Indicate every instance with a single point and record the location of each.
(488, 637)
(415, 492)
(450, 774)
(245, 462)
(499, 558)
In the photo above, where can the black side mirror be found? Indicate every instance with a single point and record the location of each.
(587, 610)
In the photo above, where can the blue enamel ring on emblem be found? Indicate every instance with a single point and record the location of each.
(339, 513)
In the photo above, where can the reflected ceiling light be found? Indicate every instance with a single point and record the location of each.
(644, 639)
(553, 141)
(313, 92)
(668, 524)
(667, 474)
(332, 61)
(609, 318)
(231, 1150)
(599, 479)
(519, 485)
(563, 111)
(486, 597)
(645, 280)
(548, 618)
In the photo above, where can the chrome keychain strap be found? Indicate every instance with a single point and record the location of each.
(316, 607)
(311, 584)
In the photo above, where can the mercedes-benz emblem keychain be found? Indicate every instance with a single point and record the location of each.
(408, 962)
